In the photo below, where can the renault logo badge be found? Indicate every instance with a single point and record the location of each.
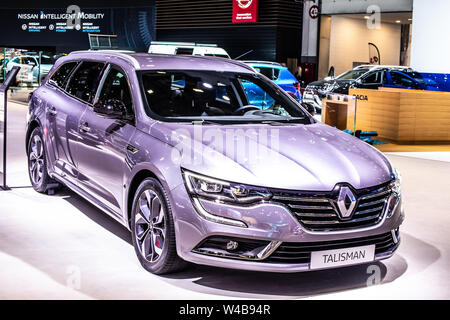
(346, 202)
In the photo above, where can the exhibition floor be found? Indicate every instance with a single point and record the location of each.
(61, 247)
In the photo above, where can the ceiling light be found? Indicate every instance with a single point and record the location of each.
(397, 21)
(366, 17)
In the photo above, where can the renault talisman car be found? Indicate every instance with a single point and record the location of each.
(170, 147)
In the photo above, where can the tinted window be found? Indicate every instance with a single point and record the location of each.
(184, 51)
(268, 72)
(60, 75)
(207, 94)
(373, 77)
(217, 55)
(116, 88)
(416, 76)
(401, 80)
(84, 81)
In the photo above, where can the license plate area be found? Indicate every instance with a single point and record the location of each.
(342, 257)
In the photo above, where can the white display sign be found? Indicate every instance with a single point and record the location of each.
(311, 13)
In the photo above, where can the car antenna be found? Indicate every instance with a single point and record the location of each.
(244, 54)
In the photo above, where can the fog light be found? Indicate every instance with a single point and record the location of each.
(232, 245)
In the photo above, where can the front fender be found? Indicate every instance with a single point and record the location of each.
(154, 156)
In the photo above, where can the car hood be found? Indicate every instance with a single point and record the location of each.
(296, 157)
(330, 85)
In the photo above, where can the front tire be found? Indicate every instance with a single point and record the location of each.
(153, 229)
(37, 162)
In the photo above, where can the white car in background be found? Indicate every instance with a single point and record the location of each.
(187, 48)
(30, 69)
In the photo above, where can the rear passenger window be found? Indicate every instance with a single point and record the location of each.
(401, 80)
(60, 75)
(85, 80)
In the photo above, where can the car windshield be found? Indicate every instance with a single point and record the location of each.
(352, 74)
(217, 97)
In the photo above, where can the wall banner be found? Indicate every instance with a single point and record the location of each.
(245, 11)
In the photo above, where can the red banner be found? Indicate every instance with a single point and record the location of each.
(245, 11)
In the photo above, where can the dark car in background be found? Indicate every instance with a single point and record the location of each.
(366, 77)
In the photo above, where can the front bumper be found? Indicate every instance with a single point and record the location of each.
(269, 222)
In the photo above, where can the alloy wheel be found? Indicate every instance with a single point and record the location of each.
(150, 228)
(36, 164)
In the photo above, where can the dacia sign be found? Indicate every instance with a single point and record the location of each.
(361, 97)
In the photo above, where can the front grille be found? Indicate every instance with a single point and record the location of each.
(300, 252)
(316, 212)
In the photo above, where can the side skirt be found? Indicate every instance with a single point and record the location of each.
(89, 198)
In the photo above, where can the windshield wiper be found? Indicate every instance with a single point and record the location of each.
(282, 122)
(203, 121)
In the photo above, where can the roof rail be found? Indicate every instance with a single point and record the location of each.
(261, 62)
(122, 54)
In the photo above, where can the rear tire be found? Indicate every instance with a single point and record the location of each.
(153, 229)
(37, 162)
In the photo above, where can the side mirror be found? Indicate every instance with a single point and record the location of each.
(112, 109)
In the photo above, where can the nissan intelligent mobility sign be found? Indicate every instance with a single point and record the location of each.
(245, 11)
(70, 27)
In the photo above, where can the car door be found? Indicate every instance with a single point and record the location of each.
(65, 111)
(372, 80)
(62, 117)
(104, 142)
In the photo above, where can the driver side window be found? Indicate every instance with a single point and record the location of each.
(116, 88)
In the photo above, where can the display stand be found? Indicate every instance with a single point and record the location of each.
(10, 79)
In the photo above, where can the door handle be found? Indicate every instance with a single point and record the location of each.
(84, 127)
(132, 149)
(52, 111)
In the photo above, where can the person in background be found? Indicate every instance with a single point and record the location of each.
(299, 75)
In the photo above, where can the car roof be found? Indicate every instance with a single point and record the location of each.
(147, 61)
(383, 67)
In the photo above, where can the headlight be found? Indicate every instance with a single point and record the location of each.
(201, 187)
(395, 187)
(210, 188)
